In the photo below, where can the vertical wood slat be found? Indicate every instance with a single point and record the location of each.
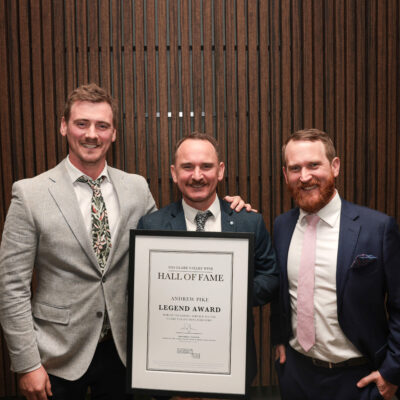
(165, 192)
(26, 79)
(15, 121)
(340, 100)
(208, 86)
(50, 150)
(372, 103)
(242, 97)
(140, 89)
(393, 180)
(197, 78)
(82, 42)
(129, 89)
(185, 68)
(231, 98)
(287, 109)
(152, 147)
(219, 77)
(59, 88)
(361, 94)
(382, 105)
(308, 64)
(265, 115)
(37, 87)
(93, 39)
(276, 101)
(254, 99)
(116, 73)
(350, 129)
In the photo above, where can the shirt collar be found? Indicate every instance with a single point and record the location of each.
(75, 173)
(329, 213)
(190, 212)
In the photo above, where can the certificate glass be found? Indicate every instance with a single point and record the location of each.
(188, 312)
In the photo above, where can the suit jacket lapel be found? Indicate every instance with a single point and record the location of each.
(178, 222)
(228, 223)
(348, 237)
(63, 193)
(118, 181)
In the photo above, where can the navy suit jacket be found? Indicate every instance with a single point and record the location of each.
(266, 276)
(367, 284)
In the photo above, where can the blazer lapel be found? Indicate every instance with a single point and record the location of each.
(348, 237)
(118, 181)
(228, 223)
(63, 193)
(178, 222)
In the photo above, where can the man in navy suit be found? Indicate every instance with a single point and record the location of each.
(197, 169)
(354, 352)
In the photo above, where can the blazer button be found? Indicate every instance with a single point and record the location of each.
(103, 279)
(99, 314)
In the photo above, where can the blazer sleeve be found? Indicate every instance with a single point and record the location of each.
(390, 367)
(17, 257)
(266, 274)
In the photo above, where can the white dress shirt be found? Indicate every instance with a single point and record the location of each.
(84, 195)
(330, 342)
(213, 223)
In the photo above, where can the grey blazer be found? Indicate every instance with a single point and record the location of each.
(60, 325)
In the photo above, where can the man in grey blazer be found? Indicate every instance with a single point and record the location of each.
(71, 334)
(54, 338)
(197, 169)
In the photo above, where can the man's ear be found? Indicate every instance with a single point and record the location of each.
(335, 165)
(221, 171)
(285, 174)
(173, 173)
(63, 127)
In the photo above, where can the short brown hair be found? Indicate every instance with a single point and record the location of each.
(197, 136)
(311, 135)
(93, 94)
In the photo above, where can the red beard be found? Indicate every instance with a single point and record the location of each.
(313, 202)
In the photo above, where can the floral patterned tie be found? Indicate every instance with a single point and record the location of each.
(101, 235)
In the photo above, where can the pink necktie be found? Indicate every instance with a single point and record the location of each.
(305, 286)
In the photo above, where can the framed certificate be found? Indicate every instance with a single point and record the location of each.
(189, 301)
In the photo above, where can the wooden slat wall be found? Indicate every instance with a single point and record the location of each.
(249, 72)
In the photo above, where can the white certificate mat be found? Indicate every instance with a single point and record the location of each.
(188, 307)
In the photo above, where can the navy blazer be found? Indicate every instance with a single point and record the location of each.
(266, 275)
(367, 284)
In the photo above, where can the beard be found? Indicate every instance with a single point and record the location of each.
(313, 202)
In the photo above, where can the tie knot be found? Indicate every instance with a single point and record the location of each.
(93, 183)
(201, 218)
(312, 219)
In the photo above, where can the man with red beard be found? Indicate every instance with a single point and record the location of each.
(337, 330)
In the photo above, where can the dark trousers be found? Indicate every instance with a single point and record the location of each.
(105, 376)
(299, 379)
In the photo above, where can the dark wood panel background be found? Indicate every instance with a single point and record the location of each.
(248, 71)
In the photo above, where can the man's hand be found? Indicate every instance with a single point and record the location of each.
(280, 353)
(35, 385)
(237, 203)
(386, 389)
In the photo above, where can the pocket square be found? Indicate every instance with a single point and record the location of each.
(363, 259)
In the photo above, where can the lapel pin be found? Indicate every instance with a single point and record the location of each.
(231, 222)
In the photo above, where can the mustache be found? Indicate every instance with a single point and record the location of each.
(313, 182)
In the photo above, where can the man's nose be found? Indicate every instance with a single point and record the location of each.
(305, 175)
(197, 174)
(91, 131)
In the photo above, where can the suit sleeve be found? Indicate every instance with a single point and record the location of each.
(17, 257)
(390, 367)
(266, 275)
